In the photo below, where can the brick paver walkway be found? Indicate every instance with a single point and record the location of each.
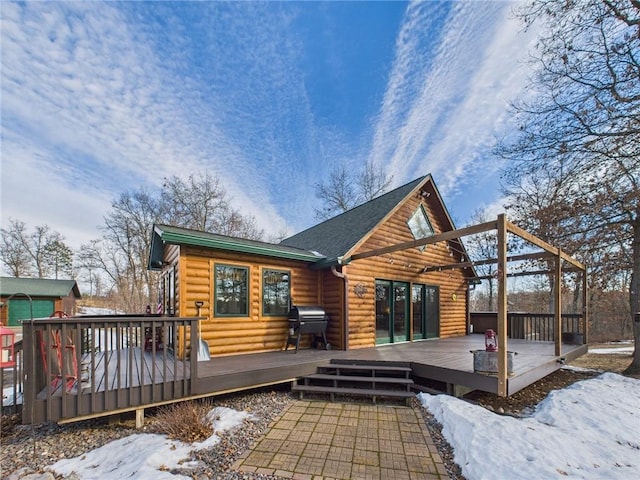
(313, 440)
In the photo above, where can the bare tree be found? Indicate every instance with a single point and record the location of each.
(127, 237)
(481, 247)
(89, 266)
(578, 142)
(42, 253)
(372, 182)
(346, 189)
(14, 253)
(201, 203)
(121, 256)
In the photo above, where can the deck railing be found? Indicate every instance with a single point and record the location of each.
(81, 367)
(11, 382)
(540, 326)
(532, 326)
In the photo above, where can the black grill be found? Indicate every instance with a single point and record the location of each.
(305, 320)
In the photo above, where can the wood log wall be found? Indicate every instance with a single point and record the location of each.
(255, 332)
(405, 266)
(333, 303)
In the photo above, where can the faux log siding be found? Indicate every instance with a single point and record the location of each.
(405, 266)
(255, 332)
(333, 303)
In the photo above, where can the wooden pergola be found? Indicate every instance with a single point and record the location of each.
(504, 228)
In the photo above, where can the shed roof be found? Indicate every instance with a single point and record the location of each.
(38, 287)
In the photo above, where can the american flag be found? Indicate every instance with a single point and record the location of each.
(159, 308)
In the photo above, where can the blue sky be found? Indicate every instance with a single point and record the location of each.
(101, 98)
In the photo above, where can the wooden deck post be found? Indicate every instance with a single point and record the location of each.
(558, 304)
(30, 376)
(502, 306)
(139, 418)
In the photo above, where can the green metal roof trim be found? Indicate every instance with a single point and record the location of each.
(182, 236)
(38, 287)
(335, 237)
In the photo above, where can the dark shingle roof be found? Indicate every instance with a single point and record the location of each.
(38, 287)
(333, 238)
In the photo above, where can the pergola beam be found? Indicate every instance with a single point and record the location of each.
(489, 261)
(557, 294)
(520, 274)
(513, 228)
(441, 237)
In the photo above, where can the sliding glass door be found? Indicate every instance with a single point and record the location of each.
(425, 301)
(392, 311)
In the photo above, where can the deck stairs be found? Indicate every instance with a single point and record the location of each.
(371, 379)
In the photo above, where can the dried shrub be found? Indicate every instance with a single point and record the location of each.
(185, 421)
(8, 423)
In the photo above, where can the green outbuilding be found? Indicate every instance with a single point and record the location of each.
(26, 298)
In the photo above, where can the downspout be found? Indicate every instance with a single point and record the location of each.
(346, 302)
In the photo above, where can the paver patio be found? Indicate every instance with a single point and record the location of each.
(314, 439)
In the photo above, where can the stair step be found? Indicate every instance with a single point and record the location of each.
(369, 392)
(357, 378)
(373, 368)
(377, 363)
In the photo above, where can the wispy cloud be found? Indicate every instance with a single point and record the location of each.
(100, 97)
(443, 116)
(114, 107)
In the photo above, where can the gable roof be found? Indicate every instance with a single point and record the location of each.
(335, 237)
(38, 287)
(167, 234)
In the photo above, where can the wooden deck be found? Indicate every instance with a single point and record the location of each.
(133, 379)
(125, 368)
(449, 361)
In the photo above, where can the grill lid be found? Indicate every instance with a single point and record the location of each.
(307, 313)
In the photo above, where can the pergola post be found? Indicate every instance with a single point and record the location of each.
(502, 306)
(558, 304)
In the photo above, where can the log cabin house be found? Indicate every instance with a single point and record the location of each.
(245, 289)
(387, 276)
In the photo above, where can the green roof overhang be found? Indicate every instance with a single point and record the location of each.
(172, 235)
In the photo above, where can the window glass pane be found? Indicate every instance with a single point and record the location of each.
(417, 294)
(275, 292)
(432, 311)
(232, 287)
(420, 225)
(400, 307)
(383, 311)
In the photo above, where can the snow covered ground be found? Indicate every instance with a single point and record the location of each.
(589, 430)
(143, 455)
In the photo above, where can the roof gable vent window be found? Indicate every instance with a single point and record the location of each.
(420, 225)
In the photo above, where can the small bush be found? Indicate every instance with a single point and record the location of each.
(8, 423)
(185, 421)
